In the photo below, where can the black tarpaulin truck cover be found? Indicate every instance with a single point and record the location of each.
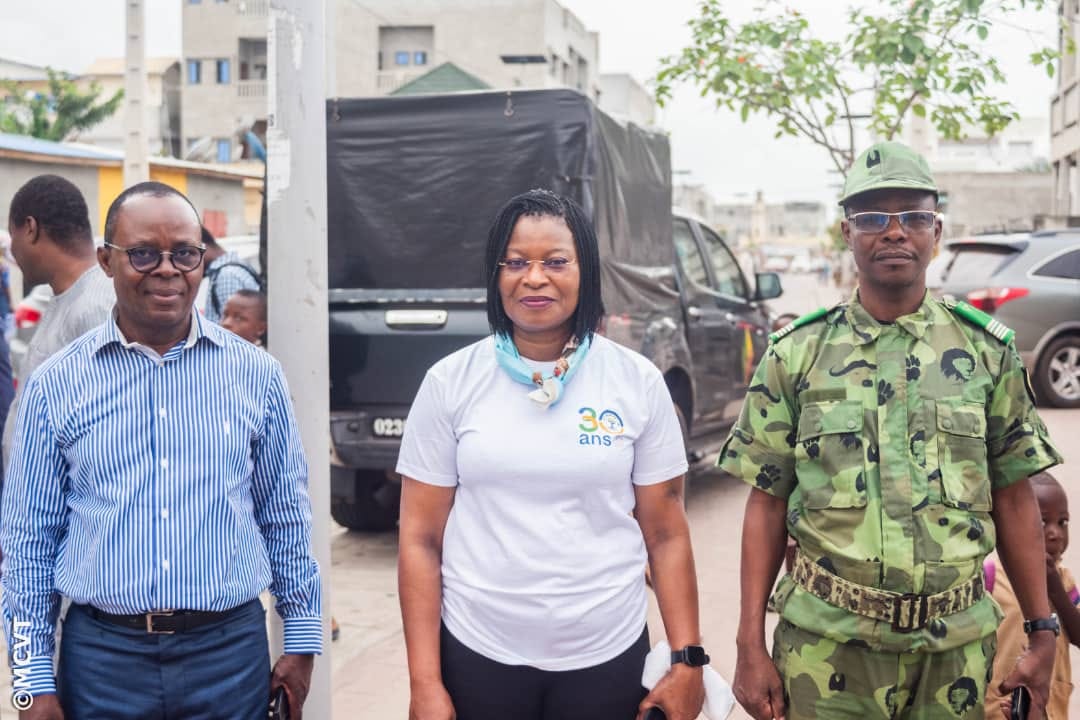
(414, 183)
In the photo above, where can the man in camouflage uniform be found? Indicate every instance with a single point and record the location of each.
(892, 437)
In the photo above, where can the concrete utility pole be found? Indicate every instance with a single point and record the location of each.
(296, 263)
(136, 145)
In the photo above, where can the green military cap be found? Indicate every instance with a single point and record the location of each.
(888, 165)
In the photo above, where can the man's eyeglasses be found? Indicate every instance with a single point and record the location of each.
(551, 266)
(146, 259)
(910, 220)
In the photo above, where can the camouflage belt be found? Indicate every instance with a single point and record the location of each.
(906, 612)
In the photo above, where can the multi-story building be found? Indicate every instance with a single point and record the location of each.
(1065, 115)
(224, 74)
(377, 47)
(626, 99)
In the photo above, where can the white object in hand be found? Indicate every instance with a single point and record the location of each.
(719, 699)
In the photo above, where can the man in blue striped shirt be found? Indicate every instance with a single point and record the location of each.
(158, 480)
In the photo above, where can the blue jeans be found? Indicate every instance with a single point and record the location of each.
(221, 670)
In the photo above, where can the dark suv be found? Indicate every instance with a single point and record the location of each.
(1031, 283)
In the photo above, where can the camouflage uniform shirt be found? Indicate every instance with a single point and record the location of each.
(886, 440)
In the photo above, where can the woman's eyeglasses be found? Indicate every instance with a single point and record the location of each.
(146, 259)
(910, 220)
(551, 266)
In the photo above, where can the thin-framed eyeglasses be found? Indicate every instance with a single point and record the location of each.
(551, 266)
(910, 220)
(146, 259)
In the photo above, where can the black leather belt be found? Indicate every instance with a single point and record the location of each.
(166, 622)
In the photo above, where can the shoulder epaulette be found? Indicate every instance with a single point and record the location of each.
(978, 318)
(799, 322)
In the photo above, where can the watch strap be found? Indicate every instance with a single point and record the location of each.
(1049, 623)
(692, 655)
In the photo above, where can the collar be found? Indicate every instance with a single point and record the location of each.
(866, 328)
(110, 333)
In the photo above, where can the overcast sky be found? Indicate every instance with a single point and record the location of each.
(733, 159)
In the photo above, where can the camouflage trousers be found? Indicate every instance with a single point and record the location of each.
(826, 679)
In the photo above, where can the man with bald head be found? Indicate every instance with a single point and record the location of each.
(158, 480)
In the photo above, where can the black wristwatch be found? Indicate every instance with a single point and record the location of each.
(692, 655)
(1051, 623)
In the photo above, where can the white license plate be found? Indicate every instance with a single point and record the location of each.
(387, 427)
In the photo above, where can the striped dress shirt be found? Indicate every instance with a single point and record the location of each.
(141, 482)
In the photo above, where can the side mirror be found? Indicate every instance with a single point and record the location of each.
(768, 286)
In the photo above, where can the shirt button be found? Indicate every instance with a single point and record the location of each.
(165, 513)
(164, 462)
(161, 412)
(818, 426)
(164, 564)
(851, 424)
(946, 423)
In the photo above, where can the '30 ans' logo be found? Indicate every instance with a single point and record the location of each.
(599, 429)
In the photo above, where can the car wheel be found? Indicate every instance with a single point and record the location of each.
(1057, 373)
(375, 505)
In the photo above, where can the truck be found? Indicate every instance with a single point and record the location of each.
(413, 184)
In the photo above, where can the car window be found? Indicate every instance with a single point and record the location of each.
(729, 278)
(977, 262)
(1063, 266)
(689, 254)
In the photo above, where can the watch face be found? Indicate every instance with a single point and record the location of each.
(696, 655)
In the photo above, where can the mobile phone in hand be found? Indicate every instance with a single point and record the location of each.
(1020, 704)
(655, 713)
(279, 705)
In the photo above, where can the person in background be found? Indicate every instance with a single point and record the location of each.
(245, 315)
(52, 243)
(1012, 638)
(542, 469)
(157, 479)
(226, 273)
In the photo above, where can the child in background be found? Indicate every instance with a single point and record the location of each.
(1064, 598)
(245, 315)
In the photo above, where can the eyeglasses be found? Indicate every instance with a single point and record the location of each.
(552, 266)
(910, 220)
(146, 259)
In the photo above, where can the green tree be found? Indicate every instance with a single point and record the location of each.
(53, 116)
(926, 57)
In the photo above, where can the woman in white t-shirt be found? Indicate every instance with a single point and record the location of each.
(541, 468)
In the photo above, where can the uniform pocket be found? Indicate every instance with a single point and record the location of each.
(829, 455)
(961, 437)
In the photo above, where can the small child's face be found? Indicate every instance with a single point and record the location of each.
(1054, 507)
(244, 316)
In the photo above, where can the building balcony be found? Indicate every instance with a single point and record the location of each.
(252, 8)
(251, 88)
(388, 81)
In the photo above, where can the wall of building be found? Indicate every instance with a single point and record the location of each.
(15, 173)
(625, 98)
(219, 195)
(994, 202)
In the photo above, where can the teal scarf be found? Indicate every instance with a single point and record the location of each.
(548, 389)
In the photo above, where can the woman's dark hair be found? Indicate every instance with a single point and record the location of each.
(544, 203)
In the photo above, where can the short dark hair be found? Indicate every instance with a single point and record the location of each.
(544, 203)
(151, 188)
(58, 207)
(256, 295)
(208, 238)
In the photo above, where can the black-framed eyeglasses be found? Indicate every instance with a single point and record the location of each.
(146, 259)
(910, 220)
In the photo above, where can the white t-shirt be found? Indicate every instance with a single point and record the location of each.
(542, 563)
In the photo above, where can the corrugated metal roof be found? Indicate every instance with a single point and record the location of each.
(37, 146)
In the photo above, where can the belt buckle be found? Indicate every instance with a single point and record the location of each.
(920, 608)
(150, 622)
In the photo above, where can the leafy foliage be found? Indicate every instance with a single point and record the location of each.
(927, 57)
(65, 109)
